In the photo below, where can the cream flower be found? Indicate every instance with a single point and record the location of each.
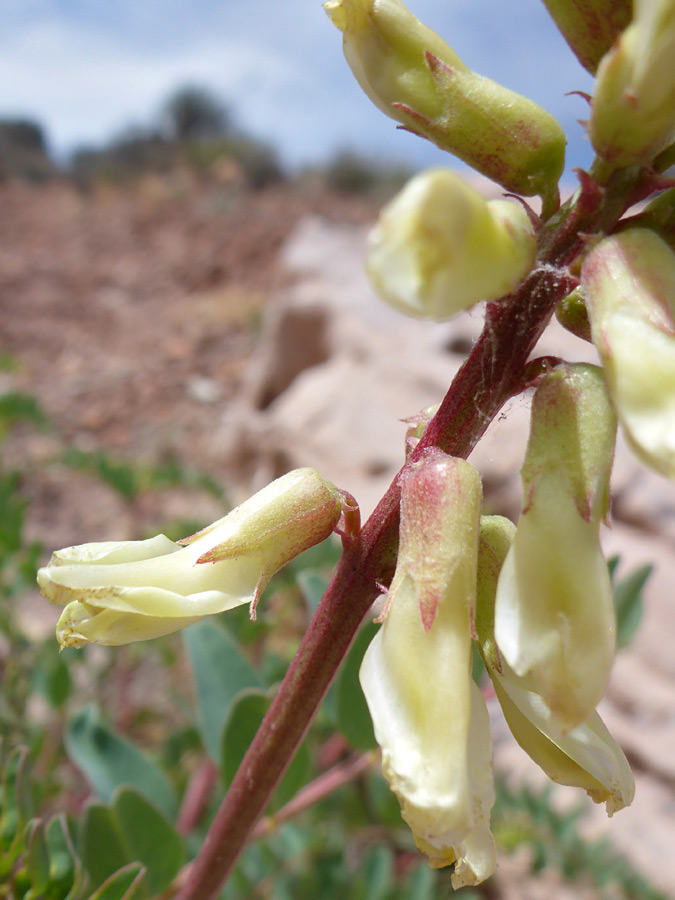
(554, 615)
(629, 284)
(439, 247)
(587, 756)
(633, 109)
(123, 591)
(429, 718)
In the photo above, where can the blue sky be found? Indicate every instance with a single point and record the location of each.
(88, 69)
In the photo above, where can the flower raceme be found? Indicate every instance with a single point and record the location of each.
(118, 592)
(439, 247)
(629, 285)
(414, 77)
(429, 717)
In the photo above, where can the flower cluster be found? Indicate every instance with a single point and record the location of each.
(537, 600)
(534, 597)
(440, 248)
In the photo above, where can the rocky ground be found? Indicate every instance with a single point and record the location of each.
(238, 332)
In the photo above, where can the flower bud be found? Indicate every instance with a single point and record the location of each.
(554, 615)
(629, 282)
(590, 27)
(587, 756)
(414, 77)
(439, 247)
(429, 718)
(633, 109)
(572, 314)
(416, 426)
(124, 591)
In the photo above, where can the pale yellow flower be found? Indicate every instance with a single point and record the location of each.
(554, 616)
(629, 284)
(439, 247)
(429, 718)
(123, 591)
(587, 756)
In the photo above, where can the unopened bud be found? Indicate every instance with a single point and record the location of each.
(633, 110)
(590, 27)
(439, 247)
(572, 314)
(414, 77)
(629, 282)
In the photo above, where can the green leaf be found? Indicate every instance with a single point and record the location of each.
(36, 859)
(101, 844)
(17, 406)
(117, 474)
(221, 671)
(123, 885)
(312, 585)
(422, 883)
(246, 714)
(353, 718)
(52, 676)
(376, 873)
(65, 871)
(109, 761)
(383, 802)
(150, 839)
(612, 565)
(14, 803)
(629, 605)
(132, 830)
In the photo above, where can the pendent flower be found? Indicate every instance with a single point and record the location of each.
(439, 247)
(629, 285)
(429, 717)
(554, 616)
(587, 756)
(123, 591)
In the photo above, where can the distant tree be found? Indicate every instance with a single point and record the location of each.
(23, 150)
(194, 114)
(126, 157)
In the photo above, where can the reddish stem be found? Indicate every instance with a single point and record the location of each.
(196, 797)
(315, 791)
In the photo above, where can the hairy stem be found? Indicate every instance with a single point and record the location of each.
(490, 375)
